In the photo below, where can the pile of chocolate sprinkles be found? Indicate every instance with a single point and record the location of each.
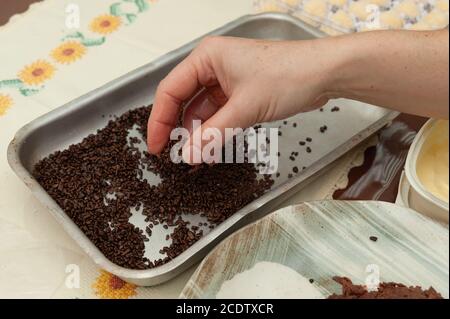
(386, 290)
(99, 180)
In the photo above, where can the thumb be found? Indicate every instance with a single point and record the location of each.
(211, 134)
(203, 106)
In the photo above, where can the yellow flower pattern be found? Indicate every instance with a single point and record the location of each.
(108, 286)
(68, 52)
(37, 73)
(105, 24)
(72, 48)
(5, 104)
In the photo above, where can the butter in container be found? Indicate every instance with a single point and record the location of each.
(426, 171)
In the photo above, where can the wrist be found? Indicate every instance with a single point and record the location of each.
(347, 61)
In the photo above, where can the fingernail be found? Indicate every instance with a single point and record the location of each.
(192, 154)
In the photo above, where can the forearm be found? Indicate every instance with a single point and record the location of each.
(402, 70)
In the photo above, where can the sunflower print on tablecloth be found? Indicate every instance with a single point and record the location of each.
(74, 46)
(109, 286)
(105, 24)
(68, 52)
(5, 103)
(37, 72)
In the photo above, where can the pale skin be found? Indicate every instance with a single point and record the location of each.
(244, 82)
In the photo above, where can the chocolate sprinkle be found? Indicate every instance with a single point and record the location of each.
(335, 109)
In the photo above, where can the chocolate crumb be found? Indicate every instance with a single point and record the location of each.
(335, 109)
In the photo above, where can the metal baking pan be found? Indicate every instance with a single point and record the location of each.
(72, 122)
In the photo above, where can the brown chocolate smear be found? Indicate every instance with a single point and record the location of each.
(379, 176)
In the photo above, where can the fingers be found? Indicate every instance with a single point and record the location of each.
(203, 106)
(172, 91)
(228, 116)
(179, 85)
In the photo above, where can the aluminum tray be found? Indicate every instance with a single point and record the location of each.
(70, 123)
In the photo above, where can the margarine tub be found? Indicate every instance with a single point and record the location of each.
(427, 171)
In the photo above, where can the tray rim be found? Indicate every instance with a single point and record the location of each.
(187, 258)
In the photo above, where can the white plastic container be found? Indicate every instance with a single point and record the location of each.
(412, 192)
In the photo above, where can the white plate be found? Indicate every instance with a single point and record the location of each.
(320, 240)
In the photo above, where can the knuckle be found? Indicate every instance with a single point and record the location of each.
(162, 85)
(210, 41)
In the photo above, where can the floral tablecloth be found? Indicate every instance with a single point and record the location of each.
(47, 59)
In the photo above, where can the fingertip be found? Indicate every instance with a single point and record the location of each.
(157, 137)
(153, 148)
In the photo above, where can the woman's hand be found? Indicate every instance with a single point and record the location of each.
(245, 82)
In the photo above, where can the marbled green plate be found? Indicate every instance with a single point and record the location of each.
(320, 240)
